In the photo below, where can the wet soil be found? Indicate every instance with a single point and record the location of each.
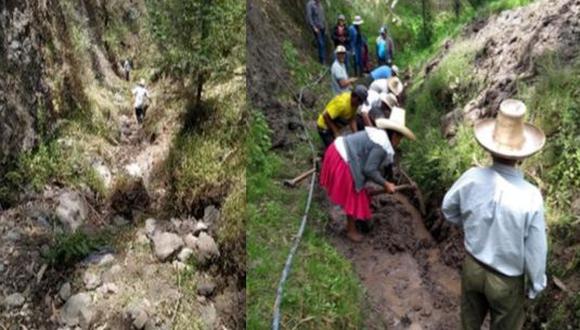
(408, 286)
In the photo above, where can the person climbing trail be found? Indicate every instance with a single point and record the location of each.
(356, 45)
(502, 216)
(340, 37)
(384, 47)
(392, 85)
(376, 104)
(315, 18)
(127, 67)
(340, 82)
(352, 160)
(141, 99)
(340, 112)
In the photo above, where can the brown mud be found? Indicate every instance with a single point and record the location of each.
(408, 285)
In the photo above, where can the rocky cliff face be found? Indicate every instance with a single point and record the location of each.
(47, 48)
(24, 96)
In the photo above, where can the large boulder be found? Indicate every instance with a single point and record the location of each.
(72, 210)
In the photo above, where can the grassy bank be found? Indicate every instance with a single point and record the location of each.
(322, 291)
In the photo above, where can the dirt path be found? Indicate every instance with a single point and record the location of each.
(407, 284)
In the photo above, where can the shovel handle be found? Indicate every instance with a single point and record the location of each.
(397, 188)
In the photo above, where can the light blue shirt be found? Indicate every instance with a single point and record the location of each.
(502, 216)
(382, 72)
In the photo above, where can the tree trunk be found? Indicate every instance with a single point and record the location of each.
(204, 11)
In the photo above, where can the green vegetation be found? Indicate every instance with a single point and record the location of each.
(198, 38)
(68, 249)
(323, 291)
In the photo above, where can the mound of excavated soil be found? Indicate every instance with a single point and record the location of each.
(511, 43)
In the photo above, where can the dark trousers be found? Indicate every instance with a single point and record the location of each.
(321, 44)
(326, 136)
(140, 114)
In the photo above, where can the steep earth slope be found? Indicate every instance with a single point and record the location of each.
(88, 236)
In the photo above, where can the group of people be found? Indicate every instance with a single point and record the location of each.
(501, 213)
(351, 38)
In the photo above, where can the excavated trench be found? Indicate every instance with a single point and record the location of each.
(407, 284)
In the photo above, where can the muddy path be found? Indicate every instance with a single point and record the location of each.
(407, 284)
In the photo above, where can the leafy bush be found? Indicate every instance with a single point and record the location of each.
(70, 248)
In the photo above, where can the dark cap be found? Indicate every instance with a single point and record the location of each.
(361, 92)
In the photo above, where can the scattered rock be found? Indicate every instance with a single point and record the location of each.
(107, 288)
(120, 221)
(211, 215)
(78, 310)
(208, 315)
(206, 288)
(72, 210)
(91, 280)
(191, 241)
(14, 300)
(184, 254)
(138, 316)
(176, 223)
(207, 249)
(199, 227)
(180, 266)
(13, 235)
(106, 260)
(112, 274)
(166, 244)
(150, 226)
(65, 291)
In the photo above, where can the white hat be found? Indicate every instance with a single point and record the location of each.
(389, 99)
(396, 122)
(357, 20)
(395, 69)
(508, 136)
(395, 85)
(141, 82)
(340, 49)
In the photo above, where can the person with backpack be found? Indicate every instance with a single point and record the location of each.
(140, 100)
(315, 18)
(502, 217)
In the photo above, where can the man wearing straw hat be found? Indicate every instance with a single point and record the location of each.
(140, 100)
(340, 82)
(377, 106)
(502, 217)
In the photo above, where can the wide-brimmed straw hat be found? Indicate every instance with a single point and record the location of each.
(507, 136)
(357, 20)
(396, 122)
(341, 17)
(395, 85)
(389, 99)
(340, 49)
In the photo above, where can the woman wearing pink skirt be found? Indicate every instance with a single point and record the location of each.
(352, 160)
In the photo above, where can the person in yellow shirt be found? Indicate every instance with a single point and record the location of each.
(340, 112)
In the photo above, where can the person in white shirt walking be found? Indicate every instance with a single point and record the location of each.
(502, 217)
(340, 81)
(141, 99)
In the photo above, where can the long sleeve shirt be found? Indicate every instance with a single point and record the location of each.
(315, 15)
(502, 216)
(367, 153)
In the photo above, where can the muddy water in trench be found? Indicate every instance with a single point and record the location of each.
(407, 284)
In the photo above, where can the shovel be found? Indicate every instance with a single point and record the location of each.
(293, 182)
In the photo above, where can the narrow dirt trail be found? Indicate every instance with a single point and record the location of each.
(407, 284)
